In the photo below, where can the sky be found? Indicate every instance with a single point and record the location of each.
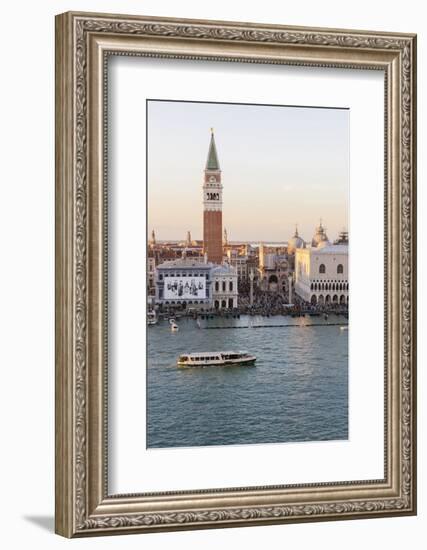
(280, 166)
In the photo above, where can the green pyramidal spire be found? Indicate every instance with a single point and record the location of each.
(212, 162)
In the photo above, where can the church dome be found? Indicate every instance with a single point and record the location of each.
(320, 236)
(295, 242)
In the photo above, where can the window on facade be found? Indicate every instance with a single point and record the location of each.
(223, 286)
(340, 268)
(322, 268)
(231, 286)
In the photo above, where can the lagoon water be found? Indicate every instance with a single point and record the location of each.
(298, 390)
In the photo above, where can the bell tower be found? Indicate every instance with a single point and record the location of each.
(212, 206)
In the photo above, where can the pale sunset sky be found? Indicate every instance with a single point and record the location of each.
(280, 166)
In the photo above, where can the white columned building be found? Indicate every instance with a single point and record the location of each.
(321, 274)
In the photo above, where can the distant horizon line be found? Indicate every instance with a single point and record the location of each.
(250, 241)
(228, 242)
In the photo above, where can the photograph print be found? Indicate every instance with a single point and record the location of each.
(247, 274)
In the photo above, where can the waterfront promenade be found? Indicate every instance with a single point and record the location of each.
(265, 303)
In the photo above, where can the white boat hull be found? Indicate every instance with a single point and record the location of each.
(242, 362)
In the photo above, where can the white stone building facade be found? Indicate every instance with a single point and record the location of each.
(321, 274)
(224, 287)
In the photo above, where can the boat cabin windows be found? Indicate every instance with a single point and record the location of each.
(202, 358)
(229, 356)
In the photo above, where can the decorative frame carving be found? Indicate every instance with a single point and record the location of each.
(83, 41)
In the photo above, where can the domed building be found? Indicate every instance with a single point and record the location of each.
(320, 236)
(295, 242)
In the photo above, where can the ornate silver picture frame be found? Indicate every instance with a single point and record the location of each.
(84, 505)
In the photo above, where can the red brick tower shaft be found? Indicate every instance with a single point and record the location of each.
(212, 235)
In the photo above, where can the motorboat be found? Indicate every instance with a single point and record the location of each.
(173, 325)
(152, 318)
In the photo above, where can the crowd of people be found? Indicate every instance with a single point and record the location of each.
(265, 302)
